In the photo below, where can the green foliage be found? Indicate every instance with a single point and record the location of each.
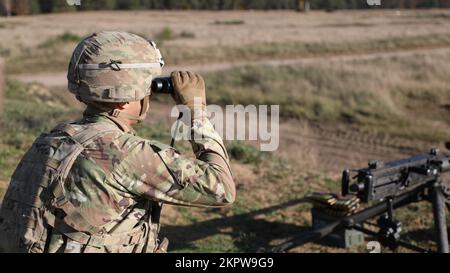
(128, 4)
(214, 243)
(69, 37)
(66, 37)
(100, 4)
(245, 153)
(187, 34)
(229, 22)
(165, 34)
(34, 7)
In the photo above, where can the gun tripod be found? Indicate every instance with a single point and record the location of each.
(440, 197)
(389, 228)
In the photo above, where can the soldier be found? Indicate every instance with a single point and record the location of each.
(94, 185)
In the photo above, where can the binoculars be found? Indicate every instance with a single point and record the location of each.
(162, 85)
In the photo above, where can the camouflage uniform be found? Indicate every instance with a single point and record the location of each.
(95, 186)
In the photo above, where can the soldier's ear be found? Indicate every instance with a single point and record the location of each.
(122, 105)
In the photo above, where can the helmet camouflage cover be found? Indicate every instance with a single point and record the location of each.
(112, 66)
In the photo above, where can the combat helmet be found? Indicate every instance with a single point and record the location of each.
(112, 66)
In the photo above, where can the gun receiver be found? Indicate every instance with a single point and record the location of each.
(382, 180)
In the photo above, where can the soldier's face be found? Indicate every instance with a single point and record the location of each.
(134, 108)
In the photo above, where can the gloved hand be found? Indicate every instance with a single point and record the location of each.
(189, 89)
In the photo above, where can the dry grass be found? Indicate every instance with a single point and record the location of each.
(398, 96)
(256, 26)
(195, 36)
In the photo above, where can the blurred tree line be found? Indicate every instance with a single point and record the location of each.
(17, 7)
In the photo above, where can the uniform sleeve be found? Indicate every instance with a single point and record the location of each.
(165, 175)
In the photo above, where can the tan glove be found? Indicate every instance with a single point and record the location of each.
(189, 89)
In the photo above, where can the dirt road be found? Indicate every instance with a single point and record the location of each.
(331, 149)
(53, 79)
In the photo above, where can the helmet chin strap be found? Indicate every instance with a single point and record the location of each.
(139, 118)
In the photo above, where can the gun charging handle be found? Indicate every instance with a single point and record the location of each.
(162, 85)
(345, 183)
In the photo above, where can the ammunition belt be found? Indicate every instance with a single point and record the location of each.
(334, 205)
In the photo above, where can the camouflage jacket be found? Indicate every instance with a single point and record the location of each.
(110, 198)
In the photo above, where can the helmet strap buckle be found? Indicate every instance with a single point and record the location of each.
(115, 65)
(115, 113)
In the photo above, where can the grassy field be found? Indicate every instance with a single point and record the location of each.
(380, 80)
(51, 55)
(39, 44)
(382, 95)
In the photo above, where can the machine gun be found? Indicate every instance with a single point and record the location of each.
(386, 187)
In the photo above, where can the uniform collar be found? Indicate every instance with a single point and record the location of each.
(94, 114)
(121, 124)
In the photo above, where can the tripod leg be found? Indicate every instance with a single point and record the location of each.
(439, 218)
